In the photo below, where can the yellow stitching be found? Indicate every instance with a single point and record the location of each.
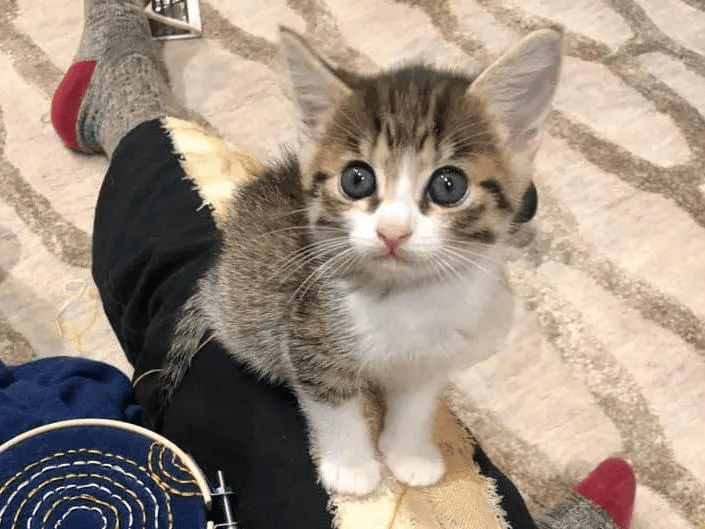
(118, 485)
(70, 452)
(162, 469)
(88, 497)
(156, 475)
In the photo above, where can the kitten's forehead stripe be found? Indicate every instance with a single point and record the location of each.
(422, 139)
(391, 143)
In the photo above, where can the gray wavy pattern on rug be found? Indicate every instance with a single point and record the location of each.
(608, 352)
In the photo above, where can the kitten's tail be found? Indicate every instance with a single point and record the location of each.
(187, 338)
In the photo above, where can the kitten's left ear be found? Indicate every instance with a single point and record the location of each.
(518, 88)
(316, 86)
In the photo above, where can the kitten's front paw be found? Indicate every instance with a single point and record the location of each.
(418, 466)
(345, 478)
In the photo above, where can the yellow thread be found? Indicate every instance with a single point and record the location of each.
(139, 378)
(86, 497)
(67, 330)
(157, 473)
(397, 506)
(96, 478)
(204, 343)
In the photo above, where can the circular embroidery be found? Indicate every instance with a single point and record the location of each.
(98, 474)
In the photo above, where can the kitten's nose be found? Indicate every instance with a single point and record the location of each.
(393, 238)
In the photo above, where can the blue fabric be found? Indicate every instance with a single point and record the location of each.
(55, 389)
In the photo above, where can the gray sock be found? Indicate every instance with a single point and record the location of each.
(130, 82)
(576, 512)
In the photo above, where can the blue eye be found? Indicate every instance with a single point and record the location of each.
(448, 186)
(358, 180)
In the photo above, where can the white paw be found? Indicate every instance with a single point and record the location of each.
(346, 478)
(418, 466)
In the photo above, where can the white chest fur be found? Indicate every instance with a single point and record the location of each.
(437, 327)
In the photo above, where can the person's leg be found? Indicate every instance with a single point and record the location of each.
(152, 240)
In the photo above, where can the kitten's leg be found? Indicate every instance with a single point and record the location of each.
(347, 457)
(407, 440)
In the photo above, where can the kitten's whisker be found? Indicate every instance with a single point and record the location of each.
(287, 213)
(467, 251)
(450, 267)
(462, 246)
(470, 243)
(347, 264)
(473, 124)
(480, 259)
(316, 247)
(329, 229)
(318, 244)
(439, 269)
(343, 267)
(463, 258)
(310, 255)
(314, 276)
(523, 229)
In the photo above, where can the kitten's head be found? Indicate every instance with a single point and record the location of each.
(418, 173)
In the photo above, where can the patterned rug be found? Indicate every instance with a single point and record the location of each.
(608, 351)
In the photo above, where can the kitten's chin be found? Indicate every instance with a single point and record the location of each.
(400, 271)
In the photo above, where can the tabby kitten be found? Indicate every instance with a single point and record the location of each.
(377, 261)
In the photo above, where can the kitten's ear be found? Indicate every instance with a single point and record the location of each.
(519, 86)
(315, 84)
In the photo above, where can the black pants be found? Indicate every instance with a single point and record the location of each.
(151, 241)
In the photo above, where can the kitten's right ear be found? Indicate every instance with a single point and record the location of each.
(519, 86)
(316, 86)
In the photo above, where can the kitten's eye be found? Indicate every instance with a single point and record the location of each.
(358, 180)
(448, 186)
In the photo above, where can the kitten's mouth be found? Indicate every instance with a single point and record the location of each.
(392, 257)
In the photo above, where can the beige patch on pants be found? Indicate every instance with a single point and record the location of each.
(216, 167)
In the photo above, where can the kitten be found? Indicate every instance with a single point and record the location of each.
(378, 261)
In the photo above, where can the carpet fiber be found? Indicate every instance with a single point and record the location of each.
(608, 351)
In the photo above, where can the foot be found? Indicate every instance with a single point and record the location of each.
(418, 465)
(341, 438)
(612, 487)
(116, 81)
(344, 477)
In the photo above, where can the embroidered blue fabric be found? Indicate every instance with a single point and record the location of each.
(86, 476)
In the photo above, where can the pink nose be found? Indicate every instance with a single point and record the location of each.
(393, 241)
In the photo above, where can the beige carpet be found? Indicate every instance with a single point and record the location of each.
(608, 352)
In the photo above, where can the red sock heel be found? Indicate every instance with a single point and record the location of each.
(67, 102)
(612, 487)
